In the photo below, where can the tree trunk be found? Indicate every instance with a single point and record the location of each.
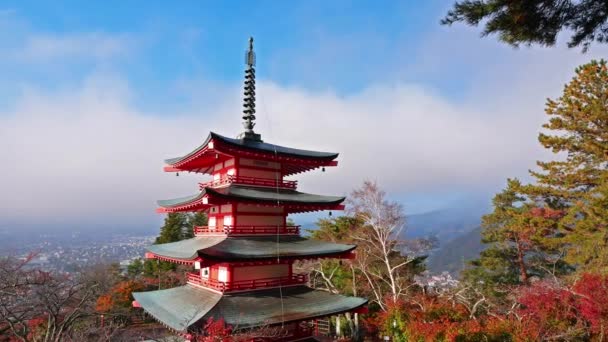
(523, 274)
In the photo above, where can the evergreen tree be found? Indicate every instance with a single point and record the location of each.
(579, 130)
(535, 21)
(196, 219)
(135, 268)
(559, 222)
(576, 185)
(521, 237)
(174, 228)
(588, 238)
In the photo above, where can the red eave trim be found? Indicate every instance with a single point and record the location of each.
(150, 255)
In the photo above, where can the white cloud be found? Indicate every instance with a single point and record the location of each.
(93, 45)
(88, 152)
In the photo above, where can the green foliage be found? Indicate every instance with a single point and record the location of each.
(588, 238)
(174, 228)
(177, 227)
(558, 223)
(135, 268)
(180, 226)
(337, 229)
(523, 243)
(578, 127)
(535, 21)
(199, 218)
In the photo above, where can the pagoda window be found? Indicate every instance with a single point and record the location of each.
(216, 177)
(231, 172)
(228, 220)
(222, 274)
(205, 272)
(212, 222)
(229, 162)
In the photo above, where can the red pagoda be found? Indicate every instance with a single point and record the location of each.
(242, 261)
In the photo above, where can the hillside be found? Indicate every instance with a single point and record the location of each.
(452, 255)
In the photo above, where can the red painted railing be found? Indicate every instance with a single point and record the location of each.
(288, 184)
(247, 230)
(296, 279)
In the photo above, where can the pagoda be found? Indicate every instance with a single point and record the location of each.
(242, 261)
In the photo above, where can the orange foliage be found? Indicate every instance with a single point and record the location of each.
(120, 296)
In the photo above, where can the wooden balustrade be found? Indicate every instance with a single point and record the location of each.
(247, 230)
(295, 279)
(267, 182)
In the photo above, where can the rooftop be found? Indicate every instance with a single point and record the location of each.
(248, 247)
(203, 156)
(248, 193)
(185, 308)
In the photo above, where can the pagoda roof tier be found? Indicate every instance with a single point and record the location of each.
(217, 148)
(293, 200)
(221, 248)
(188, 307)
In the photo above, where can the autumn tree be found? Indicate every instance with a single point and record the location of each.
(41, 306)
(334, 275)
(387, 262)
(535, 21)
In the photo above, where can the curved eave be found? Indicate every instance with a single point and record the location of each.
(274, 149)
(294, 160)
(177, 161)
(294, 201)
(186, 308)
(187, 203)
(272, 195)
(185, 250)
(223, 248)
(178, 308)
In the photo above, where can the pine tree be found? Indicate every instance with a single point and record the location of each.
(173, 229)
(588, 238)
(197, 219)
(529, 22)
(522, 242)
(579, 129)
(576, 184)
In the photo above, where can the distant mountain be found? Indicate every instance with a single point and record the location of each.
(445, 224)
(458, 233)
(453, 255)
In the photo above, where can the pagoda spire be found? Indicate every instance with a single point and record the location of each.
(249, 99)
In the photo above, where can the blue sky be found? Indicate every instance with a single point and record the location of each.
(318, 45)
(93, 97)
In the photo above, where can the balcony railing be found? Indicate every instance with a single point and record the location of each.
(295, 279)
(287, 184)
(247, 230)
